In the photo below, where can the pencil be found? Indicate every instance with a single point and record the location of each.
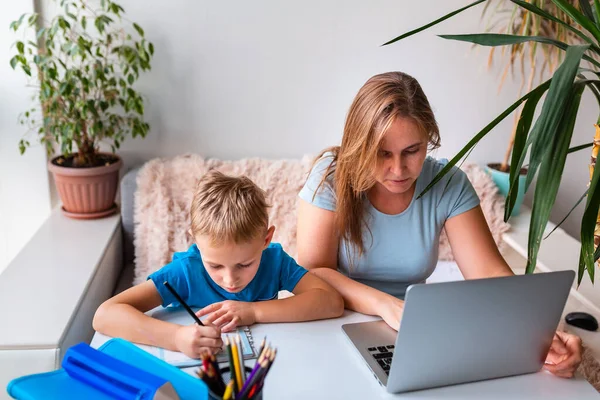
(236, 365)
(262, 346)
(242, 364)
(231, 363)
(254, 371)
(256, 378)
(180, 300)
(229, 390)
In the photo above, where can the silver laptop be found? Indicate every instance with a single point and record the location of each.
(466, 331)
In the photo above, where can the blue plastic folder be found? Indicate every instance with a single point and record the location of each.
(92, 376)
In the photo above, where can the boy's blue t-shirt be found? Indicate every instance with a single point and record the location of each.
(187, 275)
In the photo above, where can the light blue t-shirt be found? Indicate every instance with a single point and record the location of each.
(187, 275)
(402, 249)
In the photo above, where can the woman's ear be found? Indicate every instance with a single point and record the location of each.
(269, 236)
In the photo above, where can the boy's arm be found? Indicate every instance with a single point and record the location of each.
(123, 316)
(314, 299)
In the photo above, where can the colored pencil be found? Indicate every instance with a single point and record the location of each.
(229, 390)
(236, 365)
(242, 364)
(262, 346)
(228, 345)
(255, 379)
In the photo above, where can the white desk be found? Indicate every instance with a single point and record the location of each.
(315, 360)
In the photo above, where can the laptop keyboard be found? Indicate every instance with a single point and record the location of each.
(383, 355)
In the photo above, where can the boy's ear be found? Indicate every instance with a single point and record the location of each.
(269, 236)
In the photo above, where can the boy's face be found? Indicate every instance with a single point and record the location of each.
(233, 265)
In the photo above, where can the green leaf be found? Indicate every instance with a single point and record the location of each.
(138, 29)
(16, 24)
(32, 19)
(13, 62)
(580, 147)
(553, 109)
(151, 48)
(40, 33)
(98, 22)
(437, 21)
(542, 87)
(551, 170)
(130, 79)
(569, 213)
(597, 11)
(586, 9)
(519, 149)
(499, 39)
(63, 23)
(536, 10)
(588, 223)
(83, 22)
(578, 17)
(20, 47)
(26, 69)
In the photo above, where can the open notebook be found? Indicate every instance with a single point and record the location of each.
(178, 315)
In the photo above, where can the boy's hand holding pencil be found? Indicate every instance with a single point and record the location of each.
(229, 314)
(193, 340)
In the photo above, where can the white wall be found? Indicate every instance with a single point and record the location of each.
(270, 78)
(24, 199)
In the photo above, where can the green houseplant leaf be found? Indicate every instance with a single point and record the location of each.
(550, 173)
(86, 86)
(481, 134)
(437, 21)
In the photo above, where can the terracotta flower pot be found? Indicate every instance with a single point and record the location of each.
(87, 193)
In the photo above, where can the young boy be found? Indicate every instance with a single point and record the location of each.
(233, 273)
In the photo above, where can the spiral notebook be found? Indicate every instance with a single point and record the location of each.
(179, 316)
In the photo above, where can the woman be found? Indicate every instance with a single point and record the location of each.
(362, 228)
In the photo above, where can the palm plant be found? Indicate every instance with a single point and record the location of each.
(547, 139)
(531, 60)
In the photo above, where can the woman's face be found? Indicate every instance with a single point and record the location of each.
(401, 155)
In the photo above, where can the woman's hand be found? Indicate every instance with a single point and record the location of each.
(193, 340)
(565, 355)
(391, 311)
(229, 314)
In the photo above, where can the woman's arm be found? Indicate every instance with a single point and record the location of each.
(473, 246)
(477, 256)
(317, 244)
(123, 316)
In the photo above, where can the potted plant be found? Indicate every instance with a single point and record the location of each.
(532, 60)
(547, 140)
(83, 68)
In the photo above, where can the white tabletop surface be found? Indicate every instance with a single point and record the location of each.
(315, 360)
(51, 273)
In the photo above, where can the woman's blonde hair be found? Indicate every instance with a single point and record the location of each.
(227, 208)
(381, 100)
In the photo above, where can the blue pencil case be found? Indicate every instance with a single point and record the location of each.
(118, 370)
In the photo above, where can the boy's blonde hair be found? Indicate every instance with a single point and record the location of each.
(228, 208)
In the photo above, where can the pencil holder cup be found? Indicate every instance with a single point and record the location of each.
(226, 374)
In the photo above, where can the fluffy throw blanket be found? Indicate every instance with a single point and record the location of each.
(165, 188)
